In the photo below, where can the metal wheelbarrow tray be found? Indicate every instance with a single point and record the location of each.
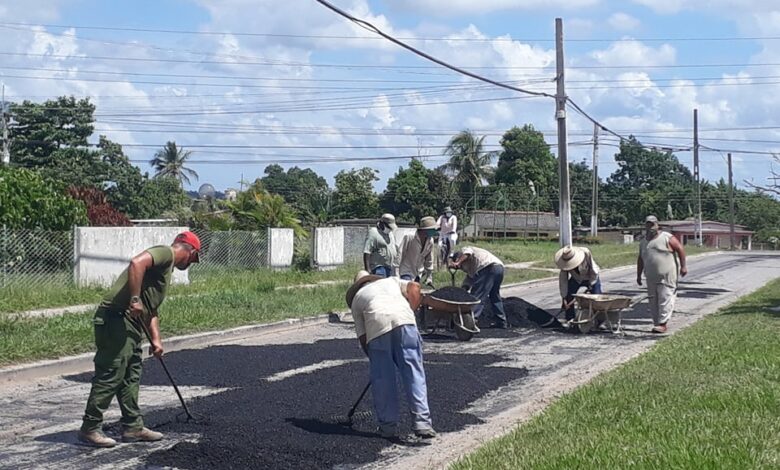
(595, 309)
(459, 312)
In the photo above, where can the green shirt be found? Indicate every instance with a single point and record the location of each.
(153, 288)
(381, 248)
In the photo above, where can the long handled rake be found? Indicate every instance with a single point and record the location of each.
(350, 416)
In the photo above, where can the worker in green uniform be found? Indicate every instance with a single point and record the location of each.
(135, 297)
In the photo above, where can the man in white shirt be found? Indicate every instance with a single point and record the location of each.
(416, 253)
(485, 274)
(448, 232)
(383, 309)
(578, 269)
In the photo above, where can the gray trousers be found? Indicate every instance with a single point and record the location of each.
(661, 298)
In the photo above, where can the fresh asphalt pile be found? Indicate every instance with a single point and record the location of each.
(285, 423)
(453, 294)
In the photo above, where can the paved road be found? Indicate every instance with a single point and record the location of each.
(269, 399)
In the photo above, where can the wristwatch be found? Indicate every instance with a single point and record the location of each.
(135, 299)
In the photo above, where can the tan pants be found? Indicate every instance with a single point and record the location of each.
(661, 300)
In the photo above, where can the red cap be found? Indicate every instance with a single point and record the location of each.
(190, 239)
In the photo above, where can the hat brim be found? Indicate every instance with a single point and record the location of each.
(569, 264)
(354, 288)
(392, 225)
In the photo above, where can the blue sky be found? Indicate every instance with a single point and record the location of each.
(285, 94)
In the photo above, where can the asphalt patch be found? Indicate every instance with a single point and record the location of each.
(453, 294)
(284, 423)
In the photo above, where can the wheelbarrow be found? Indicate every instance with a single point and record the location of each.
(451, 308)
(595, 309)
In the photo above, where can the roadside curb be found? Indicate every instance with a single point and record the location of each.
(83, 362)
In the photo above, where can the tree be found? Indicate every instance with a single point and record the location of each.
(306, 191)
(39, 131)
(256, 209)
(525, 157)
(354, 195)
(580, 192)
(408, 194)
(29, 201)
(469, 163)
(171, 161)
(99, 210)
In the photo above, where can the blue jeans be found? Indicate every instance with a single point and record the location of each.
(408, 277)
(400, 348)
(575, 286)
(384, 271)
(486, 286)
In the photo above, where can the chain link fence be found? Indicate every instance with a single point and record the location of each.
(228, 252)
(31, 258)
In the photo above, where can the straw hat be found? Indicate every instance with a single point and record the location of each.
(427, 223)
(389, 220)
(569, 257)
(361, 278)
(447, 209)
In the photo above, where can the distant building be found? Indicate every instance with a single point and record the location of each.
(231, 194)
(513, 224)
(715, 234)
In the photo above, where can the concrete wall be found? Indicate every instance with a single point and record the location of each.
(327, 251)
(100, 254)
(280, 247)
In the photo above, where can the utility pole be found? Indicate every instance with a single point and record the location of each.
(732, 237)
(594, 211)
(697, 229)
(6, 155)
(560, 116)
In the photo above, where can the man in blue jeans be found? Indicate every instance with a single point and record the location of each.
(380, 253)
(578, 270)
(383, 309)
(485, 274)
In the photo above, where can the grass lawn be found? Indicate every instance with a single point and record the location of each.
(707, 397)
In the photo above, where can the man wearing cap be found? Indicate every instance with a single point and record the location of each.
(134, 297)
(661, 258)
(448, 232)
(485, 274)
(416, 252)
(380, 251)
(383, 309)
(578, 269)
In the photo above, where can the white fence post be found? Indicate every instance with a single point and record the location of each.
(327, 250)
(281, 244)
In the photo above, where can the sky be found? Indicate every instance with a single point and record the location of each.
(246, 83)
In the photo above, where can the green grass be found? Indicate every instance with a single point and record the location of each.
(705, 398)
(23, 340)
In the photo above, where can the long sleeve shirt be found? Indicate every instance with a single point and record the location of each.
(588, 270)
(414, 256)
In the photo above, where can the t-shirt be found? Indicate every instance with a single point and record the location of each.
(381, 248)
(448, 225)
(478, 260)
(415, 257)
(659, 260)
(381, 306)
(153, 287)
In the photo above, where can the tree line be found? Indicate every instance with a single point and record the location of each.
(57, 180)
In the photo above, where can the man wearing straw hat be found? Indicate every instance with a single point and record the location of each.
(385, 324)
(578, 269)
(380, 252)
(416, 252)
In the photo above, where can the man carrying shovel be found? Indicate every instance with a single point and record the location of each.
(383, 309)
(135, 297)
(485, 273)
(578, 269)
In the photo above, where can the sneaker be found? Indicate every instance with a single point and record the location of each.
(388, 432)
(426, 433)
(143, 434)
(659, 328)
(96, 439)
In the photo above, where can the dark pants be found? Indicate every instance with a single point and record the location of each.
(117, 371)
(575, 286)
(486, 286)
(384, 271)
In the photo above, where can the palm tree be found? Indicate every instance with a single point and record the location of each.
(171, 161)
(469, 164)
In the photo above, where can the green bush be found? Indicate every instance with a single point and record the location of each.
(28, 201)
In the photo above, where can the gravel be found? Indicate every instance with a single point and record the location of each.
(453, 294)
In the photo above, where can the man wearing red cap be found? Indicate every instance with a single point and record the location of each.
(135, 296)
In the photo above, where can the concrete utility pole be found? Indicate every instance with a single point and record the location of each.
(560, 116)
(697, 226)
(6, 155)
(594, 211)
(732, 237)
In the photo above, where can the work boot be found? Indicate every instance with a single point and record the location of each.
(96, 439)
(425, 433)
(143, 434)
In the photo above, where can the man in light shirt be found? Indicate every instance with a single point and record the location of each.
(448, 232)
(485, 274)
(578, 269)
(416, 253)
(380, 251)
(383, 309)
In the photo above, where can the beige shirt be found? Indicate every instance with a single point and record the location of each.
(478, 260)
(588, 270)
(415, 257)
(381, 306)
(660, 262)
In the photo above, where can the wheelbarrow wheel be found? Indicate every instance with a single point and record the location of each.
(462, 334)
(584, 321)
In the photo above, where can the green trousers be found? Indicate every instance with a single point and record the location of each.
(117, 371)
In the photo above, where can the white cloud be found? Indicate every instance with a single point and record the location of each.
(667, 7)
(631, 52)
(460, 7)
(623, 22)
